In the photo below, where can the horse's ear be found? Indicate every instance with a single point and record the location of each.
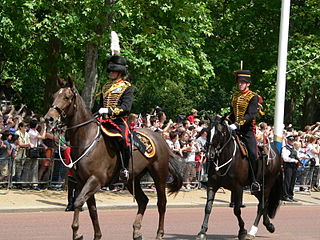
(70, 81)
(217, 119)
(60, 81)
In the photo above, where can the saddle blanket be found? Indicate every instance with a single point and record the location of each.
(139, 140)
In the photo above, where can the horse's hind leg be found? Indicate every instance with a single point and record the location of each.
(162, 204)
(89, 189)
(142, 201)
(210, 198)
(266, 222)
(237, 212)
(94, 217)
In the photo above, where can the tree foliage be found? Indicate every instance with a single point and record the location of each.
(181, 54)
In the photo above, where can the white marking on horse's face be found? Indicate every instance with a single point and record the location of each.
(213, 130)
(60, 92)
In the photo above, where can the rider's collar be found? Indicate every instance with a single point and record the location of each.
(118, 81)
(246, 91)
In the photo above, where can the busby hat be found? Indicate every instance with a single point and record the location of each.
(117, 63)
(243, 75)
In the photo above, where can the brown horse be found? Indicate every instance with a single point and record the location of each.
(229, 169)
(97, 161)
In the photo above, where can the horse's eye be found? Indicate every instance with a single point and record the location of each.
(66, 98)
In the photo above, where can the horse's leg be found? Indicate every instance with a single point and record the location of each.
(75, 225)
(89, 189)
(266, 222)
(162, 204)
(211, 192)
(237, 212)
(254, 228)
(91, 203)
(142, 201)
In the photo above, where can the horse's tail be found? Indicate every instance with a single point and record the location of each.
(275, 196)
(175, 168)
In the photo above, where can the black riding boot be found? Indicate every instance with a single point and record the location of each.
(71, 197)
(255, 185)
(124, 160)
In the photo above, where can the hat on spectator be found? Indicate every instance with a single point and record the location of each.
(5, 118)
(291, 138)
(12, 131)
(243, 75)
(193, 111)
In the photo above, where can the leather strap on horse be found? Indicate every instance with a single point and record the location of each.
(243, 149)
(132, 169)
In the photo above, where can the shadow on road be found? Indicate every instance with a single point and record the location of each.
(51, 203)
(184, 237)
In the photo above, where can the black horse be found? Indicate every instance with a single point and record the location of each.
(230, 169)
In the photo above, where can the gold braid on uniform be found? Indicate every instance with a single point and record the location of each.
(112, 93)
(240, 102)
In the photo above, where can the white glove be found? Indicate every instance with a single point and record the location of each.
(232, 127)
(103, 110)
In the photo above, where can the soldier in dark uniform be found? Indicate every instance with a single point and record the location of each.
(117, 102)
(244, 110)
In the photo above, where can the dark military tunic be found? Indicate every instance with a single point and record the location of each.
(244, 111)
(117, 97)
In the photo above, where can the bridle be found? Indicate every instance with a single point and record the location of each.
(63, 115)
(62, 112)
(217, 150)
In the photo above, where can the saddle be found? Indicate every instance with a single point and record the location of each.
(242, 146)
(244, 153)
(138, 140)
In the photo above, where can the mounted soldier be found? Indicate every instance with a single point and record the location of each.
(244, 107)
(117, 101)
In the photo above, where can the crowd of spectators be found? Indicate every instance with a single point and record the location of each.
(27, 147)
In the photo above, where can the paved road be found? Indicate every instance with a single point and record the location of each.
(291, 223)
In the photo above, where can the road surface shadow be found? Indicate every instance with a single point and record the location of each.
(51, 203)
(184, 237)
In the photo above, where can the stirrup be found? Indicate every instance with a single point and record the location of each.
(255, 187)
(124, 174)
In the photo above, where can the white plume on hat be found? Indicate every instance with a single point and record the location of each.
(115, 46)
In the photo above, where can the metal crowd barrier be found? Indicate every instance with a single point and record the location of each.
(58, 174)
(9, 179)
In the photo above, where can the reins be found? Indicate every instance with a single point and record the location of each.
(83, 123)
(218, 152)
(71, 164)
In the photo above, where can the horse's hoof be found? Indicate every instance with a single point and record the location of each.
(242, 235)
(201, 236)
(250, 237)
(270, 228)
(80, 237)
(138, 238)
